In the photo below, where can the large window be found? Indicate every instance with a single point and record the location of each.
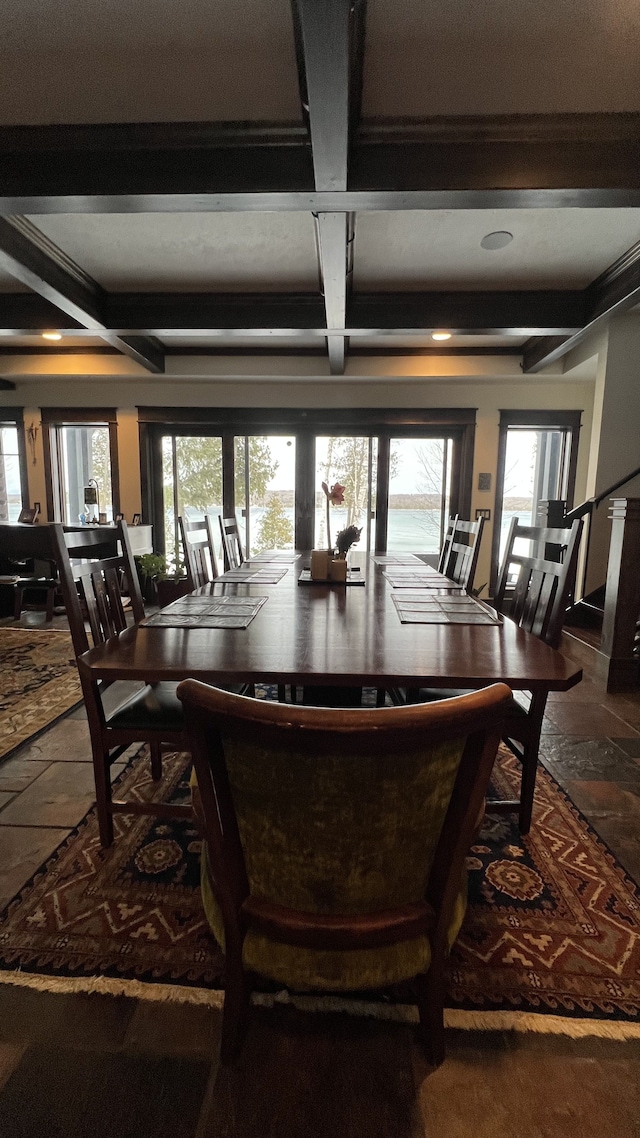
(80, 453)
(403, 472)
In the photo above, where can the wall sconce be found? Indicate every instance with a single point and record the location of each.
(32, 435)
(92, 497)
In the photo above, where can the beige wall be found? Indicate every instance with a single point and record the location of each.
(489, 395)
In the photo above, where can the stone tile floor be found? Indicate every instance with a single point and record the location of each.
(106, 1067)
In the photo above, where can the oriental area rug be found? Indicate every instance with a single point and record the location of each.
(38, 682)
(550, 943)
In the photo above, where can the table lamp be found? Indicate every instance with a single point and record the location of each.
(92, 497)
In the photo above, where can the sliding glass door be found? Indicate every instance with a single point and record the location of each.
(419, 493)
(352, 461)
(265, 490)
(191, 482)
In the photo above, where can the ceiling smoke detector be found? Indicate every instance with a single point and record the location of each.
(497, 240)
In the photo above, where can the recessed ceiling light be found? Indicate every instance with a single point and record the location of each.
(441, 335)
(51, 335)
(496, 240)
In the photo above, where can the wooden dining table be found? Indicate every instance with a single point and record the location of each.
(332, 635)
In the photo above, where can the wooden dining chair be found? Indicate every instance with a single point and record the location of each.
(335, 840)
(538, 604)
(199, 552)
(231, 543)
(101, 589)
(460, 552)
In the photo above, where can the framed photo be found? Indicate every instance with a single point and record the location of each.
(102, 519)
(136, 520)
(28, 514)
(119, 517)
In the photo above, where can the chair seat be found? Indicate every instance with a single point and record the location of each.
(155, 706)
(515, 710)
(36, 583)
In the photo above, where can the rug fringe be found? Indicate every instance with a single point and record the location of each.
(536, 1023)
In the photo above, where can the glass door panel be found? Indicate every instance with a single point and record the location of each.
(535, 469)
(264, 491)
(192, 484)
(351, 461)
(419, 494)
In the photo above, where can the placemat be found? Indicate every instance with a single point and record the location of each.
(416, 608)
(217, 612)
(284, 556)
(424, 578)
(244, 576)
(397, 559)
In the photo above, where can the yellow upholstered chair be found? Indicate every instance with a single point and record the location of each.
(335, 840)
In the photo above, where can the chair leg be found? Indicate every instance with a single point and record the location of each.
(237, 995)
(528, 786)
(381, 696)
(102, 778)
(156, 760)
(282, 693)
(17, 606)
(430, 996)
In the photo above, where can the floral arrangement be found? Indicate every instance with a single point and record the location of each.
(346, 538)
(335, 497)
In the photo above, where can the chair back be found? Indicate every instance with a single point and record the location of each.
(321, 822)
(542, 588)
(231, 544)
(461, 554)
(448, 538)
(97, 573)
(199, 552)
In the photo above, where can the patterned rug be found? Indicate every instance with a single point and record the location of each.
(38, 682)
(551, 941)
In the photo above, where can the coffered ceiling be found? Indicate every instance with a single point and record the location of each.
(274, 177)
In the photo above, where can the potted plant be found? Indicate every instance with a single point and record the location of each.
(159, 585)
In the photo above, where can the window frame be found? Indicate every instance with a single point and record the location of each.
(53, 419)
(567, 421)
(14, 417)
(304, 424)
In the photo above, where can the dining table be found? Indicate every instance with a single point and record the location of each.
(395, 624)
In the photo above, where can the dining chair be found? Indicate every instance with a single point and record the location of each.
(231, 543)
(538, 603)
(335, 840)
(100, 588)
(460, 551)
(199, 552)
(21, 546)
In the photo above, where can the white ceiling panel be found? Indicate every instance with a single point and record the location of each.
(441, 249)
(510, 56)
(235, 252)
(83, 61)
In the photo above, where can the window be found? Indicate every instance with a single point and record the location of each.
(537, 455)
(13, 490)
(80, 452)
(404, 472)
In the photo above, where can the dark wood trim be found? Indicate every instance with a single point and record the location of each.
(527, 312)
(7, 385)
(382, 493)
(280, 420)
(88, 416)
(228, 470)
(48, 469)
(319, 352)
(537, 420)
(305, 490)
(441, 163)
(115, 468)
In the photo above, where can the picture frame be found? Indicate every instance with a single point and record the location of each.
(136, 520)
(119, 517)
(29, 514)
(102, 519)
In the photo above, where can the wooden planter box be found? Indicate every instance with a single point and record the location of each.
(171, 589)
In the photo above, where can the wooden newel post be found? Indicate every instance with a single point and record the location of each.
(619, 648)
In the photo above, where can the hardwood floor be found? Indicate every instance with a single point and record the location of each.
(77, 1065)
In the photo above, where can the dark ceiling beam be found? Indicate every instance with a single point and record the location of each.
(7, 385)
(29, 257)
(274, 314)
(322, 40)
(466, 162)
(615, 291)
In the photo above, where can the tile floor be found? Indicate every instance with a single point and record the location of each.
(110, 1067)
